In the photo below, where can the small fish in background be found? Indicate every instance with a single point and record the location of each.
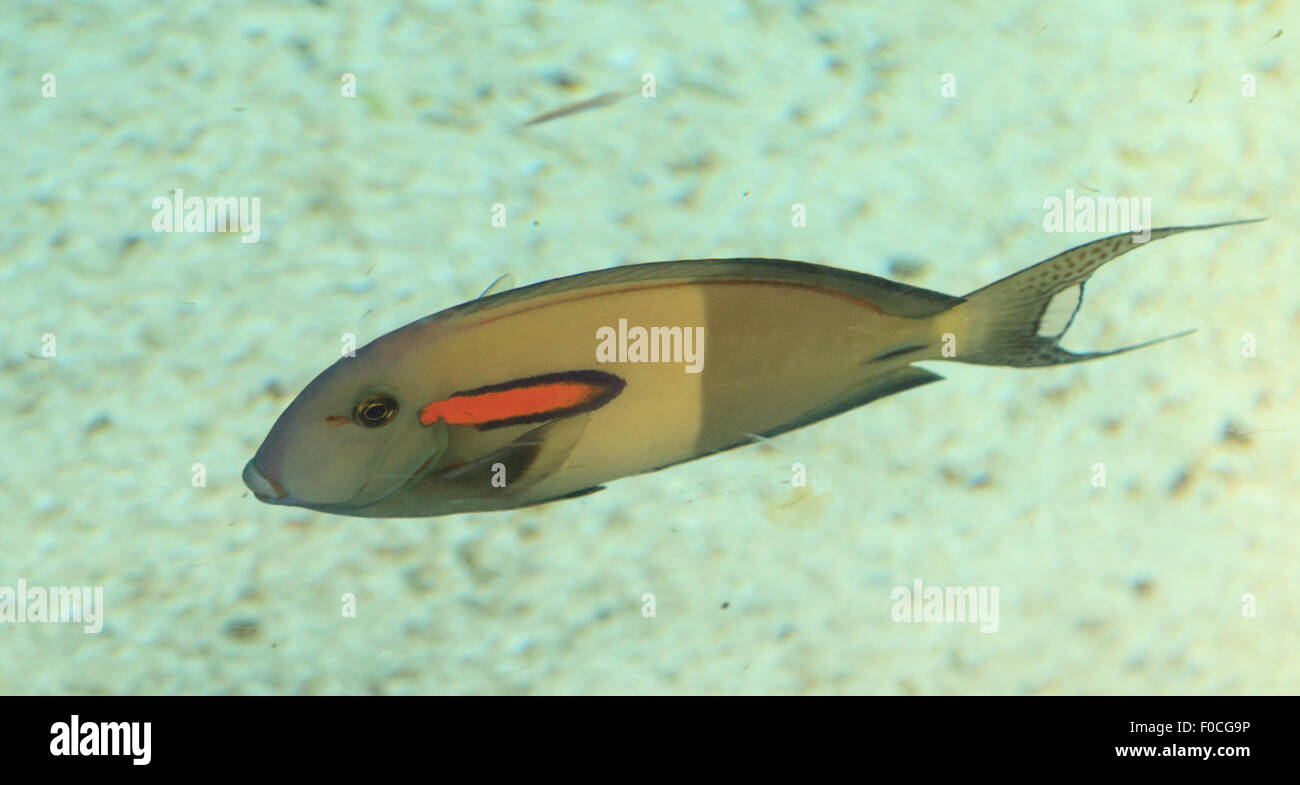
(602, 100)
(545, 392)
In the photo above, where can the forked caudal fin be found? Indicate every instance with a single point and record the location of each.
(1019, 320)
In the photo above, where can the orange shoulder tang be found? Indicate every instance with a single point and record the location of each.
(534, 399)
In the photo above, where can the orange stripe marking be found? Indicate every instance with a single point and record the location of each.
(531, 400)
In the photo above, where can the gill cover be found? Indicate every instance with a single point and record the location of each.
(367, 465)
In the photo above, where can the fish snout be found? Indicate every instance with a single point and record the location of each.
(263, 487)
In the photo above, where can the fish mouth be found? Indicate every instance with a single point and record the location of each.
(266, 489)
(269, 490)
(260, 476)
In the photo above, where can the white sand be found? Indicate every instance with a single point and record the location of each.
(185, 347)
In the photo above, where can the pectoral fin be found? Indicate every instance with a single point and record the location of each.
(532, 457)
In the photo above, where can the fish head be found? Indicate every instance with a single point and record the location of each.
(351, 438)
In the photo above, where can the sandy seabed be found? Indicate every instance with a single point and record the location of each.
(1178, 576)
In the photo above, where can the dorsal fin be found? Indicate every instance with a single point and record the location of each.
(503, 284)
(891, 297)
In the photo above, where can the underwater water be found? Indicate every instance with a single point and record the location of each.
(1126, 525)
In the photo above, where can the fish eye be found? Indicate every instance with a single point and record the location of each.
(375, 411)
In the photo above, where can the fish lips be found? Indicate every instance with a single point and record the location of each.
(265, 488)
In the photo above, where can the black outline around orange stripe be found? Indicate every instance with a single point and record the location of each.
(607, 384)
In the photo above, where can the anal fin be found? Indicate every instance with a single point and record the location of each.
(904, 378)
(896, 381)
(573, 494)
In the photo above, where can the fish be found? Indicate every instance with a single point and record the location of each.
(602, 100)
(549, 391)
